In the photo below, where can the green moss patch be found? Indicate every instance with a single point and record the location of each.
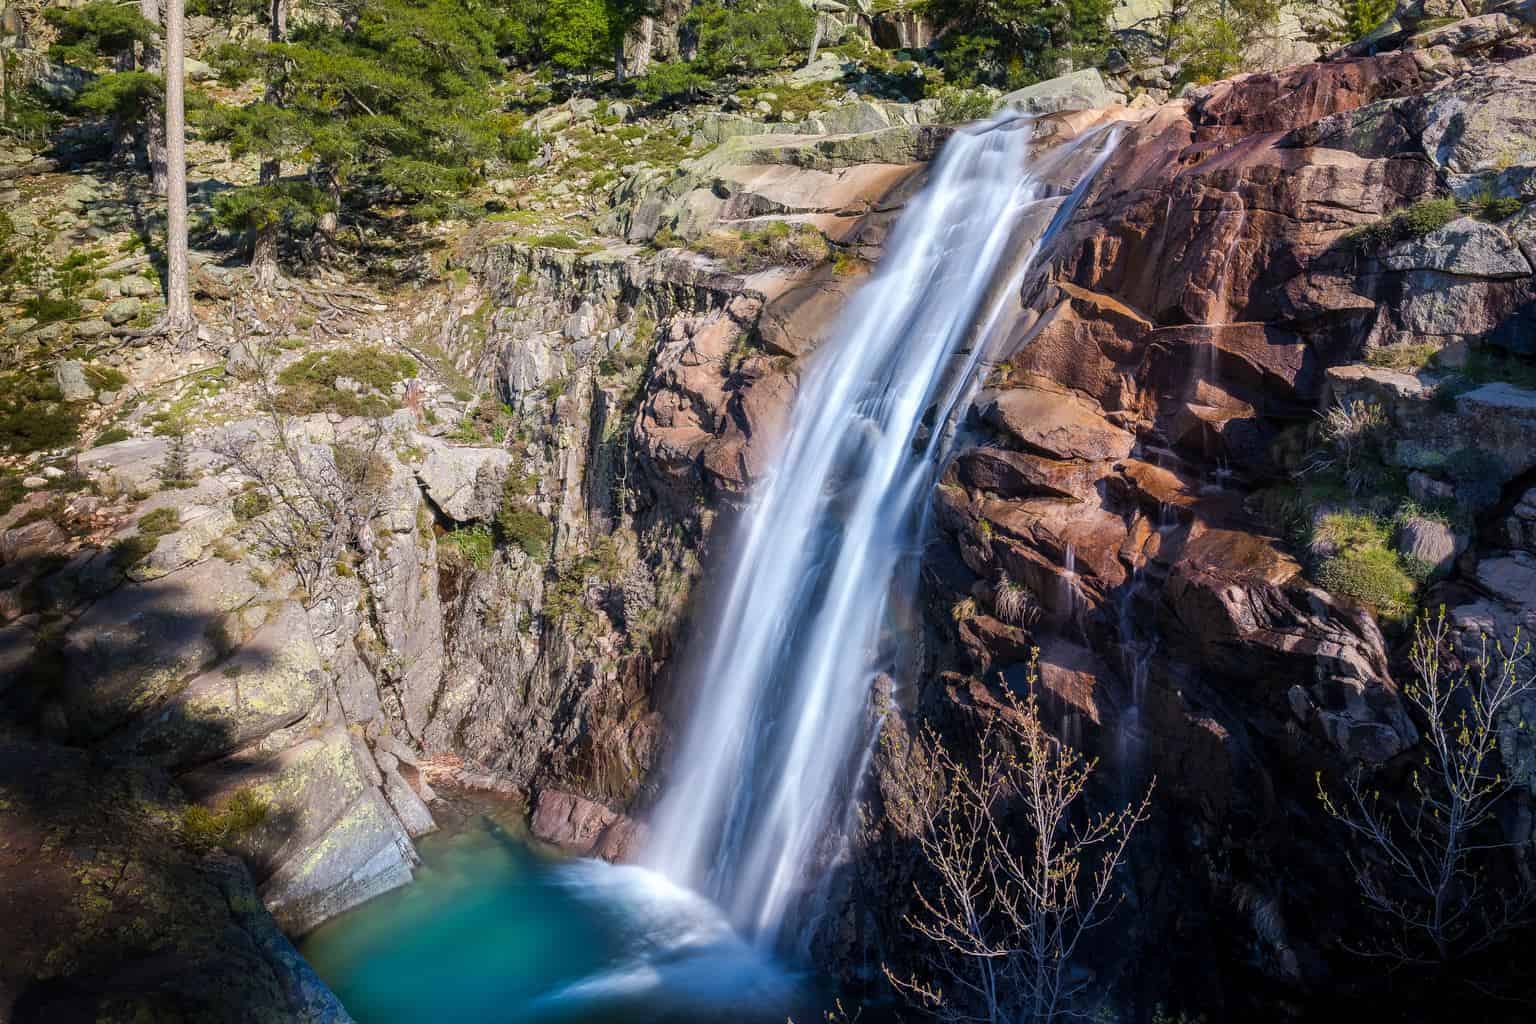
(33, 413)
(309, 385)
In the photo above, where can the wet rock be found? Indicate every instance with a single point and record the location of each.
(583, 826)
(1057, 425)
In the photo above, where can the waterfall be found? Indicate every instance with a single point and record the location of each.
(781, 719)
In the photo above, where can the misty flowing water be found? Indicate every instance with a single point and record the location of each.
(807, 614)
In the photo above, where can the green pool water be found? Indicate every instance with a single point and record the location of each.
(495, 930)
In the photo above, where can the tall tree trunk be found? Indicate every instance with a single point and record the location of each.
(618, 61)
(154, 128)
(178, 296)
(821, 26)
(264, 268)
(641, 41)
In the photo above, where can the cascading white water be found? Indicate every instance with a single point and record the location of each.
(781, 718)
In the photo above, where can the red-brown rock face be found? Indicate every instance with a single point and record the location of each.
(1186, 315)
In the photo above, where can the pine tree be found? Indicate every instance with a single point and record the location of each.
(623, 16)
(106, 32)
(154, 128)
(577, 33)
(178, 323)
(392, 104)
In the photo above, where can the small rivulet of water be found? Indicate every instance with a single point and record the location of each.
(781, 722)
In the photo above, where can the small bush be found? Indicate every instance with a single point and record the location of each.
(1403, 357)
(1371, 576)
(674, 80)
(776, 244)
(1497, 208)
(47, 311)
(11, 492)
(957, 106)
(111, 435)
(520, 523)
(309, 385)
(251, 505)
(33, 414)
(471, 546)
(1414, 221)
(1340, 531)
(555, 240)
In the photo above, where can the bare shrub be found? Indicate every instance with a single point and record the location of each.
(1427, 861)
(1022, 871)
(318, 501)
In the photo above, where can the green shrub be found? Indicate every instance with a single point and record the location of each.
(204, 829)
(1403, 357)
(111, 435)
(33, 413)
(1497, 208)
(1349, 20)
(1413, 221)
(957, 106)
(49, 311)
(106, 378)
(11, 492)
(775, 244)
(750, 35)
(673, 80)
(251, 504)
(1371, 576)
(309, 385)
(556, 240)
(470, 546)
(520, 523)
(1342, 530)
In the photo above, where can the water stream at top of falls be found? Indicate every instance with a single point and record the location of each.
(782, 721)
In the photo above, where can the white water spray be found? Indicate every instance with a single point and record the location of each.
(781, 723)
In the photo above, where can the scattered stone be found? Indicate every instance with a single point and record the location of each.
(53, 472)
(19, 326)
(69, 375)
(137, 286)
(86, 329)
(33, 483)
(122, 311)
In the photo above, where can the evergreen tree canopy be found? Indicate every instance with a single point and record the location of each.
(577, 33)
(101, 28)
(750, 35)
(394, 97)
(126, 95)
(1015, 42)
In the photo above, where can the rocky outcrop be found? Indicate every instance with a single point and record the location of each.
(1219, 287)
